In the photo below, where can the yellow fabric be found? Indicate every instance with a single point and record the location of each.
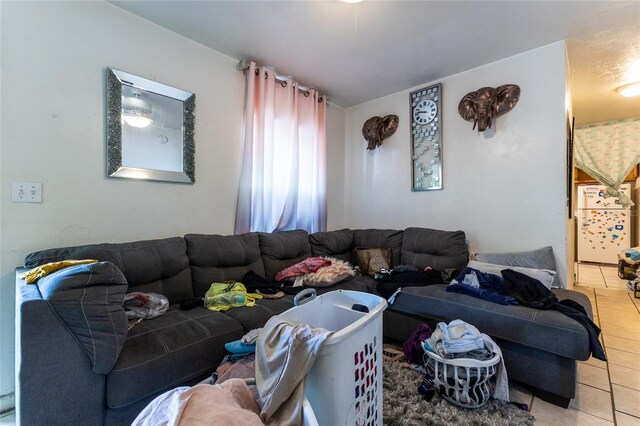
(33, 275)
(221, 297)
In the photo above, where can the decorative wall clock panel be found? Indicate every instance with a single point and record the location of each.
(426, 138)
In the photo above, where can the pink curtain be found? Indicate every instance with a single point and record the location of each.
(283, 176)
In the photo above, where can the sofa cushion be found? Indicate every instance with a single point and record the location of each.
(169, 350)
(548, 330)
(361, 283)
(542, 258)
(422, 247)
(336, 244)
(217, 258)
(153, 266)
(256, 316)
(380, 238)
(283, 249)
(88, 298)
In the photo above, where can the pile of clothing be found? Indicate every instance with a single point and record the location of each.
(460, 340)
(515, 288)
(390, 283)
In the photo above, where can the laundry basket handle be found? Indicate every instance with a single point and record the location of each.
(304, 296)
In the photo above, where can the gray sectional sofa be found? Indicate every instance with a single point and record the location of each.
(76, 363)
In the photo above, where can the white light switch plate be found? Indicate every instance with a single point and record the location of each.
(26, 192)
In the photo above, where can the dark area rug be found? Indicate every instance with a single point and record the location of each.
(403, 405)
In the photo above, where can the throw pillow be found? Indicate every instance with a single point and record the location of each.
(329, 275)
(310, 264)
(372, 260)
(545, 276)
(541, 258)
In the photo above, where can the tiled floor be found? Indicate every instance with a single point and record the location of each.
(608, 392)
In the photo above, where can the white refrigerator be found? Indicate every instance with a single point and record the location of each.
(603, 224)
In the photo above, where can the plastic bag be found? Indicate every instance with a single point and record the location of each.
(221, 297)
(145, 305)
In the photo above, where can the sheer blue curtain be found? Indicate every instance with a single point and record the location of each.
(283, 175)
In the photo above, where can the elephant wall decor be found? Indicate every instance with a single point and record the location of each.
(376, 129)
(486, 103)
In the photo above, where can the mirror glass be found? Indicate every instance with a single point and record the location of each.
(150, 129)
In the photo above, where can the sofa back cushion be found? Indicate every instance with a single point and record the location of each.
(153, 266)
(283, 249)
(336, 244)
(542, 258)
(380, 238)
(217, 258)
(441, 250)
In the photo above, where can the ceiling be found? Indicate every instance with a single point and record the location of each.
(358, 52)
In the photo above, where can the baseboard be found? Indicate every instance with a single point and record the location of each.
(7, 402)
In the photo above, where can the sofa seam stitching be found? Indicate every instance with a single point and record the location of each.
(165, 387)
(158, 357)
(173, 324)
(115, 333)
(161, 340)
(84, 314)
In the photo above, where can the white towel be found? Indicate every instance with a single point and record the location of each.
(501, 390)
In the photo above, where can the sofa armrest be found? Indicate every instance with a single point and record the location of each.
(88, 300)
(54, 381)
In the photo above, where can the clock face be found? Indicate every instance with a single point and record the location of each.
(425, 112)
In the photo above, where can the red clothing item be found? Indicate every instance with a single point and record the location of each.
(310, 264)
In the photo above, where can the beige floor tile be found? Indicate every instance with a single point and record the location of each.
(615, 283)
(610, 272)
(520, 393)
(588, 267)
(615, 300)
(593, 284)
(627, 309)
(621, 307)
(624, 376)
(612, 330)
(595, 363)
(593, 401)
(551, 415)
(623, 419)
(593, 376)
(612, 293)
(625, 359)
(622, 344)
(630, 321)
(589, 275)
(584, 290)
(626, 324)
(613, 275)
(626, 400)
(615, 303)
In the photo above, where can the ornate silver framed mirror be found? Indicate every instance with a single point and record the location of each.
(150, 129)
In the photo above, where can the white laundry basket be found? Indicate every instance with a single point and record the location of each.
(344, 386)
(461, 381)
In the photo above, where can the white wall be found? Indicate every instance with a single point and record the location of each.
(53, 57)
(570, 209)
(506, 190)
(335, 167)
